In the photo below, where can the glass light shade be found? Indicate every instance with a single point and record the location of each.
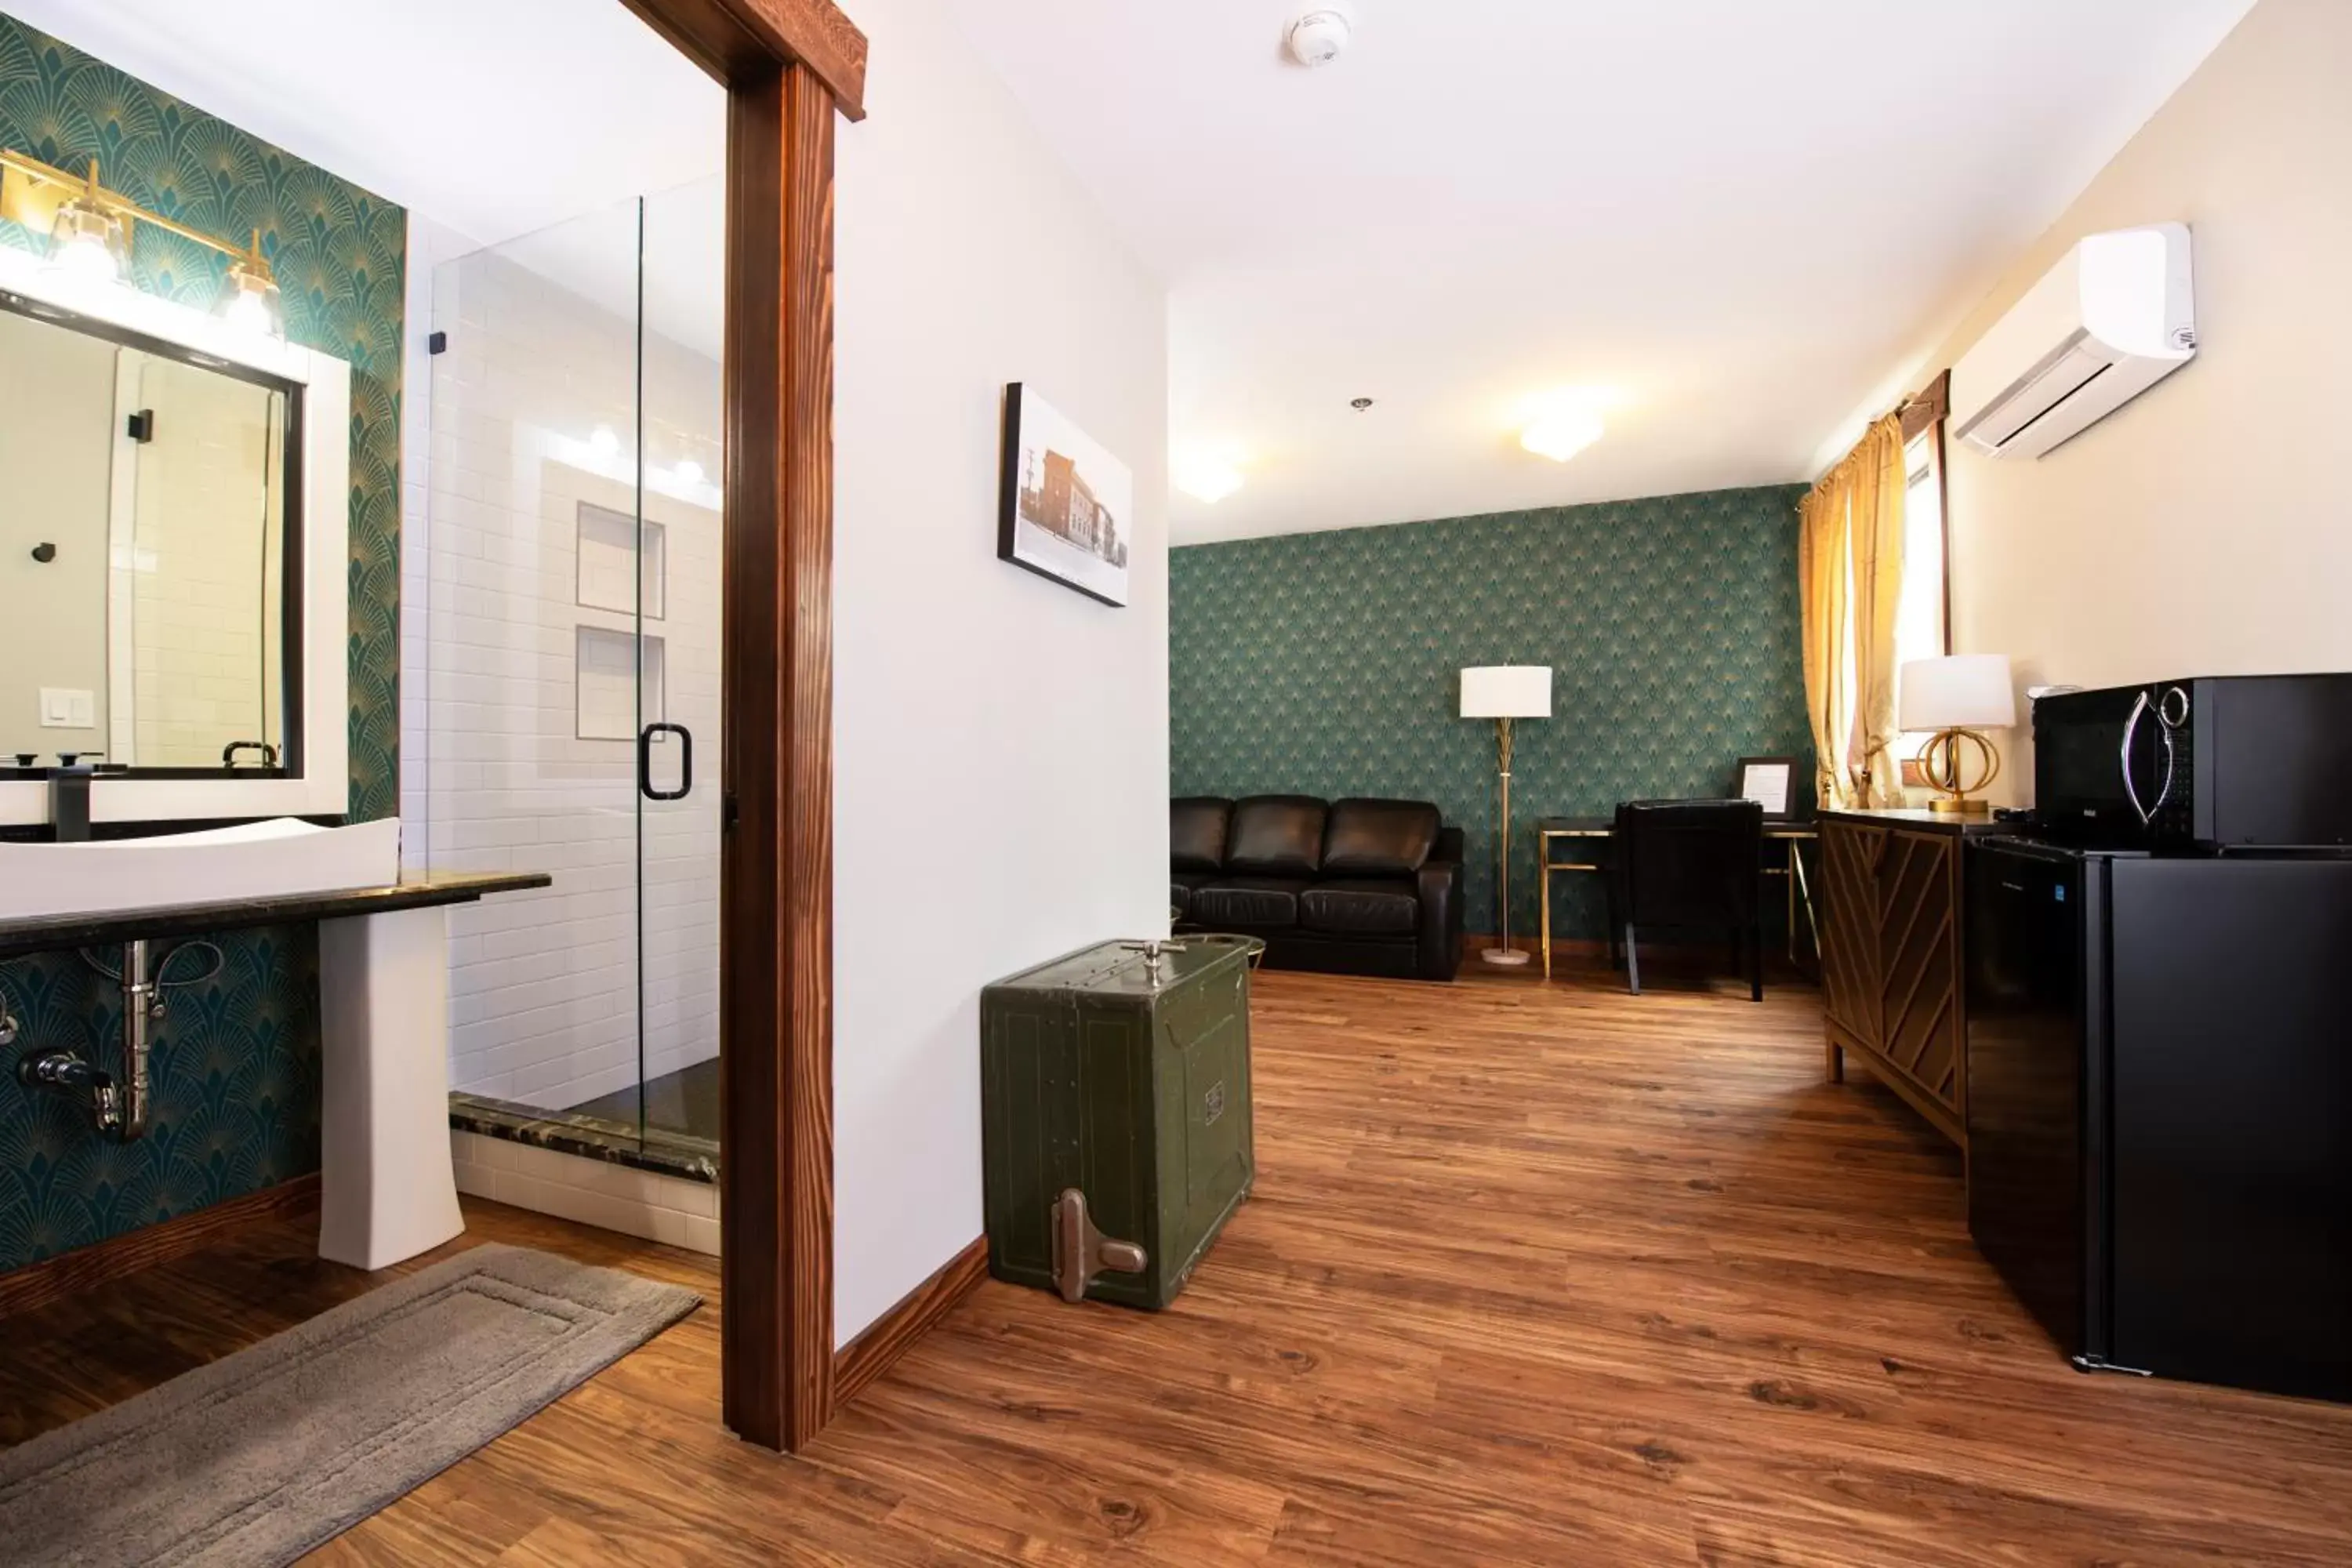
(1207, 479)
(249, 300)
(1562, 436)
(89, 242)
(1507, 692)
(1963, 691)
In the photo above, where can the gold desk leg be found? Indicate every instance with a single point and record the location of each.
(1543, 860)
(1790, 878)
(1804, 888)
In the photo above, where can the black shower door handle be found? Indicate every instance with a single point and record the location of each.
(646, 761)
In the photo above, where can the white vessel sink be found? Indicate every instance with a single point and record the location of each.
(284, 859)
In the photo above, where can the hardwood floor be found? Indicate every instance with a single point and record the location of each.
(1533, 1274)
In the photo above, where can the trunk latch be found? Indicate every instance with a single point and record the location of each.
(1081, 1252)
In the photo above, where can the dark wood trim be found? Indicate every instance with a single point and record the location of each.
(789, 67)
(1930, 405)
(776, 892)
(894, 1333)
(739, 40)
(87, 1267)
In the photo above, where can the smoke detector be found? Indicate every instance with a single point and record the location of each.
(1317, 37)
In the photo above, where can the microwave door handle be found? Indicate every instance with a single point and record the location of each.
(2131, 785)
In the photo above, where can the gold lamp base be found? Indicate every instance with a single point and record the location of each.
(1955, 791)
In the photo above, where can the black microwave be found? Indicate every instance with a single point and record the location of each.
(2249, 761)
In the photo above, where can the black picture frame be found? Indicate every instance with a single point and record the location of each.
(1084, 569)
(1788, 768)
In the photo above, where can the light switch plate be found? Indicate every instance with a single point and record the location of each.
(67, 709)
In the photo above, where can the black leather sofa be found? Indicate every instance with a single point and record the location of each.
(1354, 886)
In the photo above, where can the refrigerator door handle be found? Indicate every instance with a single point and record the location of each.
(2131, 785)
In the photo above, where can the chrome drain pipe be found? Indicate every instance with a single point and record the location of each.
(117, 1105)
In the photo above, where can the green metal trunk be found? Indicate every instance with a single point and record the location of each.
(1126, 1080)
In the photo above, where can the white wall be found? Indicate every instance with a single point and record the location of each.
(2203, 529)
(1001, 742)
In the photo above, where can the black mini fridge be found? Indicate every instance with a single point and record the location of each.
(2160, 1107)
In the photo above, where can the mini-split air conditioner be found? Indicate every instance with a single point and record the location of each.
(2112, 320)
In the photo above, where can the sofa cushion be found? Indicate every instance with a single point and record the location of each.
(1379, 838)
(1259, 902)
(1180, 886)
(1277, 835)
(1196, 832)
(1361, 908)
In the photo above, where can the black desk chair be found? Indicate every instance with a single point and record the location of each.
(1691, 863)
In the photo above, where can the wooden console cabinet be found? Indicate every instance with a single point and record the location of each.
(1893, 974)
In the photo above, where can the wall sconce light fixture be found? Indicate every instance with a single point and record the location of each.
(90, 238)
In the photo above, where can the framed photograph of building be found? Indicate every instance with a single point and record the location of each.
(1069, 507)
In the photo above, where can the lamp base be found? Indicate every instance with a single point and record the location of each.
(1506, 957)
(1962, 806)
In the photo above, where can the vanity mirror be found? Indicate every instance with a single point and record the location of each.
(144, 533)
(173, 541)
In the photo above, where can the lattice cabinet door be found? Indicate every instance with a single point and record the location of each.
(1919, 970)
(1850, 908)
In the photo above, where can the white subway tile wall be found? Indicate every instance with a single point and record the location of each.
(201, 569)
(593, 1191)
(545, 992)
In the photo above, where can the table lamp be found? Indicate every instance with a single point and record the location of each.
(1503, 692)
(1958, 698)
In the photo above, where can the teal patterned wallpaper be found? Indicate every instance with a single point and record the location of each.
(1327, 664)
(237, 1065)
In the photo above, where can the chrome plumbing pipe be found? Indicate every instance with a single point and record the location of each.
(117, 1105)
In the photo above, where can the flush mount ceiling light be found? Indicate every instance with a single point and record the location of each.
(1561, 424)
(1560, 436)
(1208, 478)
(1317, 37)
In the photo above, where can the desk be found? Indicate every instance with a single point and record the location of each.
(1590, 834)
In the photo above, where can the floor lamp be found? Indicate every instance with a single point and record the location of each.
(1503, 692)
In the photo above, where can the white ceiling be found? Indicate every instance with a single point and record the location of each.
(498, 118)
(1734, 215)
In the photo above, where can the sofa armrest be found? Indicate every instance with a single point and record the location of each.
(1439, 886)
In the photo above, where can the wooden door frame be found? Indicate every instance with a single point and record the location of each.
(788, 66)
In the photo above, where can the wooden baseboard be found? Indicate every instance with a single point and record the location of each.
(871, 1353)
(70, 1273)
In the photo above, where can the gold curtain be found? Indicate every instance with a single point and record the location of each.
(1878, 491)
(1821, 580)
(1849, 575)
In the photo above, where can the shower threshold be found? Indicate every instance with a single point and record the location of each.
(608, 1128)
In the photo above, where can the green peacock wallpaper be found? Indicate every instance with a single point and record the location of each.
(1329, 664)
(236, 1064)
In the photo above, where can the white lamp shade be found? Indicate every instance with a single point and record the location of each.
(1507, 692)
(1964, 691)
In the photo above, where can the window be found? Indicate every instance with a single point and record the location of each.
(1922, 628)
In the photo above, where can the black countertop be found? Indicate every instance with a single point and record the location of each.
(53, 934)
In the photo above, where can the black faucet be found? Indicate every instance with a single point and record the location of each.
(268, 753)
(69, 802)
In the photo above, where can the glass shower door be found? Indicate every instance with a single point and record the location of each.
(683, 276)
(571, 669)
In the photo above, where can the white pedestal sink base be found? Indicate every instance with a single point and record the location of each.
(387, 1191)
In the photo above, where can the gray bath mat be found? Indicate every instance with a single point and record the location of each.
(257, 1458)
